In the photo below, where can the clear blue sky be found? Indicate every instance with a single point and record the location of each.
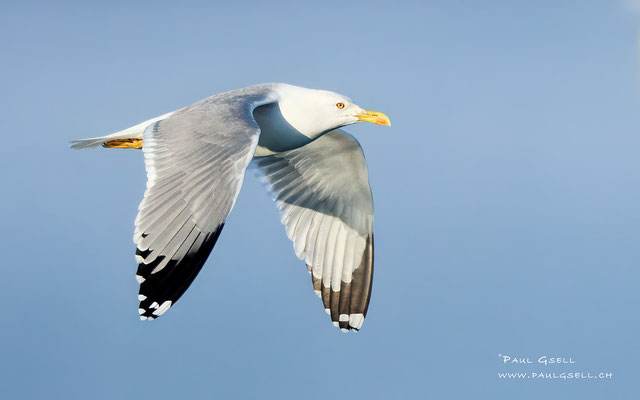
(507, 201)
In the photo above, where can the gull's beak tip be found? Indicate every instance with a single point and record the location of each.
(374, 117)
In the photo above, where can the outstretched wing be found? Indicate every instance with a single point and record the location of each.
(195, 161)
(322, 190)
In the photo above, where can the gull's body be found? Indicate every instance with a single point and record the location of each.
(196, 158)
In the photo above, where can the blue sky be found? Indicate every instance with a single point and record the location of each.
(506, 197)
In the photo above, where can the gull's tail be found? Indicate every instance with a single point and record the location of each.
(128, 138)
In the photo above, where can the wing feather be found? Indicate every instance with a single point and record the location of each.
(196, 160)
(322, 191)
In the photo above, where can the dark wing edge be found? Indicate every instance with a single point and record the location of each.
(348, 307)
(159, 291)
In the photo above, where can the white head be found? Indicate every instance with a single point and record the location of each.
(314, 112)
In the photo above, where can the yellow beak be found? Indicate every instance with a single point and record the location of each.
(374, 117)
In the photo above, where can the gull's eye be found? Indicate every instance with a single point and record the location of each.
(340, 105)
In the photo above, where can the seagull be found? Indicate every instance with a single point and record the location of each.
(196, 159)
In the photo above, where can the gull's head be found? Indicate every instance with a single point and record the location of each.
(313, 112)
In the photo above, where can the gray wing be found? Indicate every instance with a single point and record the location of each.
(323, 192)
(195, 161)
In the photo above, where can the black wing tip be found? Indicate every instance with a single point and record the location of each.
(349, 323)
(150, 310)
(161, 290)
(348, 307)
(342, 315)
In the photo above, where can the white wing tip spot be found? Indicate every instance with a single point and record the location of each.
(336, 324)
(141, 297)
(345, 330)
(139, 259)
(328, 311)
(356, 320)
(318, 293)
(141, 311)
(163, 308)
(155, 304)
(140, 279)
(142, 318)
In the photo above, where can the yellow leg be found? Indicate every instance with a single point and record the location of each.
(124, 144)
